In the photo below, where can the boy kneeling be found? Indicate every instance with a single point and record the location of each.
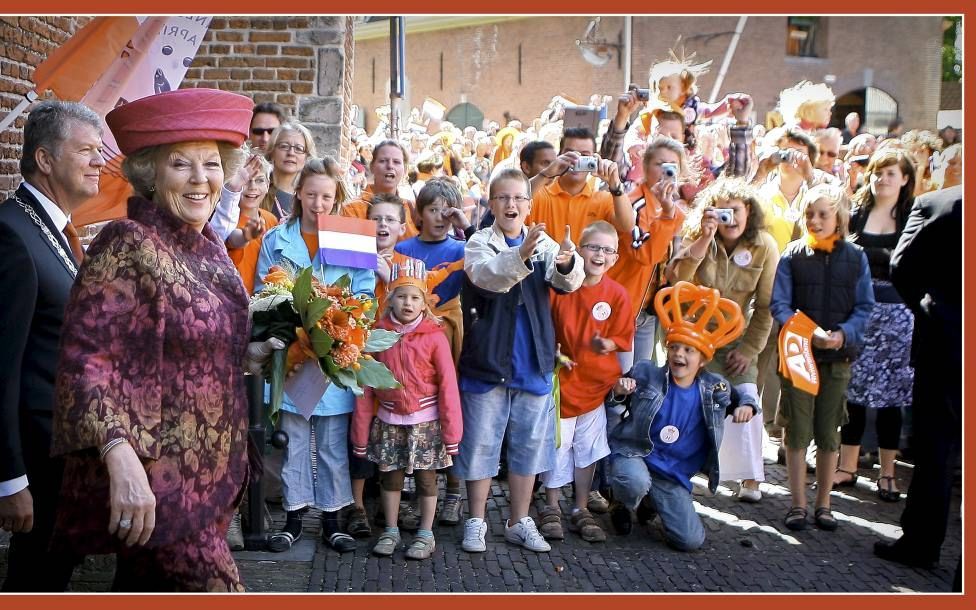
(672, 425)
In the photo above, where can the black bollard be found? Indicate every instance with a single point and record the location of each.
(255, 536)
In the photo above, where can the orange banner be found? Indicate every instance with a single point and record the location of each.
(796, 361)
(71, 69)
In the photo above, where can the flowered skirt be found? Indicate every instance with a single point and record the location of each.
(416, 447)
(882, 376)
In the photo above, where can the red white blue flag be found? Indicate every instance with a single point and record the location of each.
(347, 242)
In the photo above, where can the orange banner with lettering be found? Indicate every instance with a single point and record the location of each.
(796, 361)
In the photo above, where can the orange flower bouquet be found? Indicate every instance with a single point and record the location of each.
(325, 323)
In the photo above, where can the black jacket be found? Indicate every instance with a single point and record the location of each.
(35, 282)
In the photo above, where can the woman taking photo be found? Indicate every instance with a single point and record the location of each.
(151, 413)
(881, 377)
(726, 247)
(291, 145)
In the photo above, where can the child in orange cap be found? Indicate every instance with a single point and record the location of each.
(672, 426)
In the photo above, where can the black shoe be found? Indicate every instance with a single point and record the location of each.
(620, 518)
(645, 512)
(333, 536)
(279, 542)
(893, 552)
(357, 523)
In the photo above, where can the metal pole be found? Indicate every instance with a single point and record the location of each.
(29, 98)
(728, 59)
(255, 537)
(628, 40)
(397, 49)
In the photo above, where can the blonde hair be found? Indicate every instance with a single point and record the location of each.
(268, 203)
(601, 227)
(428, 311)
(837, 200)
(727, 189)
(139, 168)
(326, 166)
(664, 142)
(796, 102)
(682, 67)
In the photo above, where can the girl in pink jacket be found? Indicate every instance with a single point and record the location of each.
(415, 428)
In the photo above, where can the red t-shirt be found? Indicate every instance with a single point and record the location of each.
(577, 317)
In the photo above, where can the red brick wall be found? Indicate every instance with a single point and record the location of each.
(26, 41)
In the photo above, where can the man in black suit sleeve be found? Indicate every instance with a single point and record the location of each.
(39, 256)
(926, 269)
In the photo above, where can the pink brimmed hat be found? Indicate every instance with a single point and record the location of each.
(184, 115)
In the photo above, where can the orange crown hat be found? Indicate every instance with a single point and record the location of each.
(184, 115)
(411, 272)
(698, 316)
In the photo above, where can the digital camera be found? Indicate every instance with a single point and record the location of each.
(585, 164)
(643, 95)
(783, 155)
(726, 216)
(669, 171)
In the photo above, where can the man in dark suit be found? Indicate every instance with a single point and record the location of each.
(926, 269)
(39, 256)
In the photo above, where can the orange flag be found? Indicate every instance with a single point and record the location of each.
(71, 69)
(796, 361)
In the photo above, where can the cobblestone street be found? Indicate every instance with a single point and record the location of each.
(747, 549)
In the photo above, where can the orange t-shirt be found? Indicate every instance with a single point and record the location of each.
(577, 317)
(557, 208)
(246, 258)
(312, 243)
(635, 266)
(359, 208)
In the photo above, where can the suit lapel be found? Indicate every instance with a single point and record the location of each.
(28, 198)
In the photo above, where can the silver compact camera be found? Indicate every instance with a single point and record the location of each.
(585, 164)
(726, 216)
(669, 172)
(783, 155)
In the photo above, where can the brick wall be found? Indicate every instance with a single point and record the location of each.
(26, 41)
(897, 54)
(303, 63)
(298, 62)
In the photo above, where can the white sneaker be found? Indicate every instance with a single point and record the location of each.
(749, 495)
(474, 535)
(525, 534)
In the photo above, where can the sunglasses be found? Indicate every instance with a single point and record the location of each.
(258, 131)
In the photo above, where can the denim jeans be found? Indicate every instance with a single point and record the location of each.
(631, 481)
(316, 474)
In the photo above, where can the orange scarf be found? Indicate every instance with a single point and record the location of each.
(827, 245)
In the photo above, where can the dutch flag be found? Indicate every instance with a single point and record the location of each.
(347, 242)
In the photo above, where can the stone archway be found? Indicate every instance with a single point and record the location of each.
(466, 115)
(876, 108)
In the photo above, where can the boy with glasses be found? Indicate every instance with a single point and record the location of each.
(591, 324)
(508, 357)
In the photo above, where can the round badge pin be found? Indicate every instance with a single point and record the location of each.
(601, 311)
(669, 434)
(742, 258)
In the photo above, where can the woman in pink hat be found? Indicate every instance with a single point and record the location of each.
(152, 414)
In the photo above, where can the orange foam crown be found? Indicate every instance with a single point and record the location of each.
(698, 316)
(412, 272)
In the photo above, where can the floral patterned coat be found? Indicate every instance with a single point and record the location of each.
(152, 351)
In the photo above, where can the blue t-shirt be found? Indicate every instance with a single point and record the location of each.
(526, 375)
(679, 435)
(434, 254)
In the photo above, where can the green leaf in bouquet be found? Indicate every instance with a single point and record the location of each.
(374, 374)
(343, 282)
(321, 342)
(346, 378)
(277, 379)
(329, 366)
(380, 340)
(314, 312)
(302, 291)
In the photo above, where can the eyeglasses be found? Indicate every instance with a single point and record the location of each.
(286, 147)
(390, 220)
(505, 199)
(597, 249)
(259, 131)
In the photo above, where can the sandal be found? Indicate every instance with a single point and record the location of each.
(851, 482)
(824, 519)
(280, 542)
(550, 523)
(888, 493)
(796, 519)
(583, 523)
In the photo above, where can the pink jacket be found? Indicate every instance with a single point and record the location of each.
(421, 360)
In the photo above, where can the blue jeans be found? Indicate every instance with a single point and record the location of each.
(528, 422)
(316, 474)
(631, 481)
